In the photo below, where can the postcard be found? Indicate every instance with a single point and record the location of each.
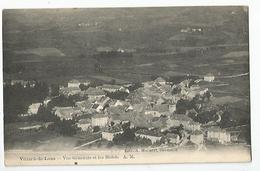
(146, 85)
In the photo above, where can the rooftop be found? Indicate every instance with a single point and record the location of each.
(95, 91)
(154, 132)
(84, 121)
(74, 81)
(100, 116)
(181, 117)
(113, 129)
(110, 86)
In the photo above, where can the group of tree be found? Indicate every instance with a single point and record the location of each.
(118, 95)
(64, 127)
(17, 99)
(126, 137)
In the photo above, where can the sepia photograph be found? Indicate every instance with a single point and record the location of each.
(142, 85)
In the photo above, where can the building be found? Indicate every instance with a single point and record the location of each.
(197, 137)
(67, 113)
(193, 126)
(73, 83)
(84, 124)
(71, 91)
(172, 108)
(95, 93)
(219, 135)
(101, 103)
(113, 88)
(209, 78)
(177, 120)
(157, 110)
(76, 83)
(153, 135)
(23, 83)
(33, 108)
(100, 120)
(111, 132)
(85, 106)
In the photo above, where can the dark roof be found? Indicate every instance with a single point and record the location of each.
(181, 117)
(84, 121)
(155, 132)
(99, 116)
(95, 91)
(113, 129)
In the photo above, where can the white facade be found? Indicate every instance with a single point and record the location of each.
(110, 135)
(73, 84)
(153, 113)
(209, 78)
(76, 83)
(153, 139)
(221, 136)
(84, 126)
(197, 138)
(99, 121)
(172, 108)
(33, 108)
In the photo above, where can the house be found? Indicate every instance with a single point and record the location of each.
(70, 91)
(100, 120)
(33, 108)
(219, 135)
(153, 113)
(74, 83)
(84, 124)
(153, 135)
(101, 103)
(116, 110)
(94, 93)
(172, 108)
(177, 120)
(197, 137)
(113, 88)
(85, 106)
(209, 78)
(110, 133)
(173, 138)
(67, 113)
(187, 123)
(157, 110)
(23, 83)
(193, 126)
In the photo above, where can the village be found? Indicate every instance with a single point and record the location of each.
(154, 113)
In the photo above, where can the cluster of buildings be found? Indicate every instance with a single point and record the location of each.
(155, 101)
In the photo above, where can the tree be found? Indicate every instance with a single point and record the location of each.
(66, 127)
(96, 129)
(95, 84)
(142, 141)
(45, 115)
(135, 86)
(183, 105)
(54, 90)
(83, 87)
